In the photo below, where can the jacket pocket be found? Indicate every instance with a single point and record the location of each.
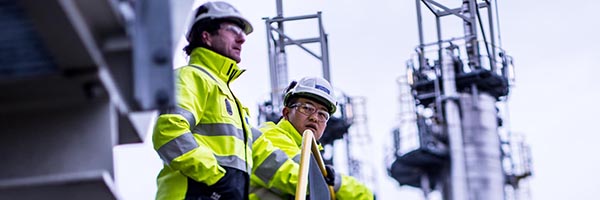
(227, 105)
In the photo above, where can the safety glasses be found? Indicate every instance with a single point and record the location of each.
(234, 29)
(308, 110)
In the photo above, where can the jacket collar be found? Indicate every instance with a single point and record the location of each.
(225, 68)
(290, 130)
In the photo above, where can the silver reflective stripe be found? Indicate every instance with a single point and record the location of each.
(255, 134)
(186, 114)
(204, 70)
(297, 158)
(267, 168)
(177, 147)
(233, 162)
(219, 130)
(337, 182)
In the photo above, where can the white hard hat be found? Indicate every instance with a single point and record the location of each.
(314, 88)
(218, 10)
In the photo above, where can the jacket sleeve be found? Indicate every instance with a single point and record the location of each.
(273, 165)
(352, 189)
(172, 137)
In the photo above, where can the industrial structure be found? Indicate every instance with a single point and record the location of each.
(74, 77)
(453, 135)
(349, 123)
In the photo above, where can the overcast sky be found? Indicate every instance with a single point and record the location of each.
(555, 101)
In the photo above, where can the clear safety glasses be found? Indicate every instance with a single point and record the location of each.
(234, 29)
(308, 109)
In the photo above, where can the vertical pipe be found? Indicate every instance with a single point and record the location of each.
(275, 100)
(279, 73)
(458, 181)
(281, 43)
(324, 50)
(470, 29)
(279, 5)
(492, 38)
(498, 24)
(485, 176)
(425, 185)
(282, 70)
(421, 52)
(437, 69)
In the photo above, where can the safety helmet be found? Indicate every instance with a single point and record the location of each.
(315, 88)
(218, 10)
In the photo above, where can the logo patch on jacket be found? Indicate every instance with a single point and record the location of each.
(228, 107)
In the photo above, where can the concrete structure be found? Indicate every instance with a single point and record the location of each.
(74, 76)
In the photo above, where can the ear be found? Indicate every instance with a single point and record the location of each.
(285, 112)
(206, 38)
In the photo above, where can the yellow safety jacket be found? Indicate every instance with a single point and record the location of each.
(276, 155)
(208, 130)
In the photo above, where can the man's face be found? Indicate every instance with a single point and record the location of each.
(228, 42)
(299, 114)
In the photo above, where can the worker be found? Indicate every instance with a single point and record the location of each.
(308, 104)
(205, 142)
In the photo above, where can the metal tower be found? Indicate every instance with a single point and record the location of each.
(339, 124)
(277, 41)
(454, 142)
(358, 141)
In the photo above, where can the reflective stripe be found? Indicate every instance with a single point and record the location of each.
(219, 130)
(206, 72)
(255, 134)
(267, 168)
(177, 147)
(297, 158)
(233, 162)
(185, 113)
(337, 183)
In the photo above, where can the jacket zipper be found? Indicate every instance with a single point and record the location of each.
(241, 117)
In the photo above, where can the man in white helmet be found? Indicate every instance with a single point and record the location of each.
(205, 142)
(308, 105)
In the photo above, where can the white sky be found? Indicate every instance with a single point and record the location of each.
(555, 101)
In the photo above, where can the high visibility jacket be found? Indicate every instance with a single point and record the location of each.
(276, 155)
(208, 130)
